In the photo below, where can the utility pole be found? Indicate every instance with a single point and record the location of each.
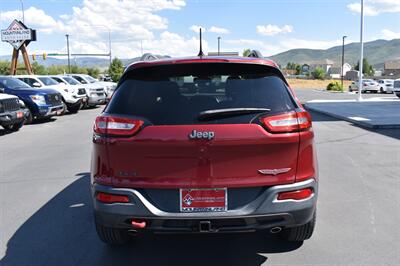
(342, 74)
(69, 63)
(109, 44)
(219, 39)
(141, 46)
(360, 68)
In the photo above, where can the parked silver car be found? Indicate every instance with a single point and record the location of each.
(396, 87)
(386, 85)
(368, 85)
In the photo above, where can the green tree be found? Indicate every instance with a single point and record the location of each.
(368, 70)
(5, 67)
(246, 52)
(93, 71)
(54, 70)
(39, 69)
(116, 69)
(298, 69)
(318, 73)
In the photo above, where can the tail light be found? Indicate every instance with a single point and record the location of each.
(300, 194)
(112, 198)
(286, 123)
(117, 126)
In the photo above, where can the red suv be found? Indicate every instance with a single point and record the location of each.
(204, 144)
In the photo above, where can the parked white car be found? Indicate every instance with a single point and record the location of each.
(95, 90)
(396, 87)
(368, 85)
(70, 81)
(72, 100)
(386, 85)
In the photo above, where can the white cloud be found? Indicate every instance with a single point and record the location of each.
(129, 22)
(271, 30)
(390, 35)
(375, 7)
(35, 18)
(196, 28)
(368, 10)
(218, 30)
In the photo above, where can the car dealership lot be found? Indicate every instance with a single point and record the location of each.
(45, 213)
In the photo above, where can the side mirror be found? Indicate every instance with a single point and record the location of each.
(36, 85)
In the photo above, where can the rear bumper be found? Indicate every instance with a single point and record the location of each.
(97, 99)
(261, 213)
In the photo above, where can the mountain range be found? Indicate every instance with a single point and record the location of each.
(377, 52)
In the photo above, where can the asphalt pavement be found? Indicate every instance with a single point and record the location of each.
(46, 218)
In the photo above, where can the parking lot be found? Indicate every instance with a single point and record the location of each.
(46, 219)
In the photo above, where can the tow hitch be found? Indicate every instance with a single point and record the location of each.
(205, 226)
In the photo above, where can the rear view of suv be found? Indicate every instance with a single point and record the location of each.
(204, 144)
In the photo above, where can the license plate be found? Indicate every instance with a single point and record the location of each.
(20, 114)
(203, 200)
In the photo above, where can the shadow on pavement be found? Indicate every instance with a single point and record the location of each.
(318, 117)
(62, 233)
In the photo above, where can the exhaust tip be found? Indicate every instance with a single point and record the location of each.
(275, 230)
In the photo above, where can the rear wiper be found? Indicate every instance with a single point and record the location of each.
(222, 113)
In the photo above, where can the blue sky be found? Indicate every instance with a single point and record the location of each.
(169, 26)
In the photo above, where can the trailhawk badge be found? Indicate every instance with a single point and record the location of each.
(202, 135)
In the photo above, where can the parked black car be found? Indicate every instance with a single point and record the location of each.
(12, 112)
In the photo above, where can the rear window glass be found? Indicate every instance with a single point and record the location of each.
(178, 94)
(397, 83)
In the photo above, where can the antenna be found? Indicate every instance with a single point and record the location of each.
(201, 47)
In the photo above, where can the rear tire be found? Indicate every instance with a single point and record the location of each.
(28, 118)
(300, 233)
(112, 236)
(74, 109)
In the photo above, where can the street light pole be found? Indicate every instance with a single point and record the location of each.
(361, 63)
(342, 74)
(23, 12)
(69, 63)
(219, 39)
(109, 44)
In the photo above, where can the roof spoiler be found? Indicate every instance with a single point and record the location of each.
(255, 54)
(152, 57)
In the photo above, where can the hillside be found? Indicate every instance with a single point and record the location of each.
(377, 52)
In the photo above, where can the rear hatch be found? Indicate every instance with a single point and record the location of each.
(201, 126)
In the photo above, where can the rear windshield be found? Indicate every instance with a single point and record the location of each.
(176, 95)
(397, 84)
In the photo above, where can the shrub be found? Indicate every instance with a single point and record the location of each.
(318, 73)
(334, 86)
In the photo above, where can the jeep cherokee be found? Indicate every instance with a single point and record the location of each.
(204, 145)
